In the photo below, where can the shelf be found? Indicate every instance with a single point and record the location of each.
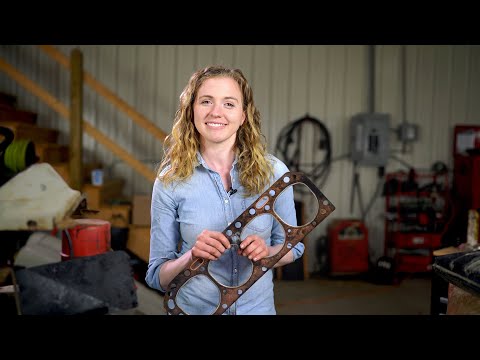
(417, 207)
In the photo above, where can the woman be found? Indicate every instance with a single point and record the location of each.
(215, 166)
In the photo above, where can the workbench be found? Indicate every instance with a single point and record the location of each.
(459, 272)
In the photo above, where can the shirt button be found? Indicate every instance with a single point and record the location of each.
(226, 201)
(235, 270)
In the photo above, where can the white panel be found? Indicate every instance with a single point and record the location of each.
(459, 90)
(442, 135)
(424, 106)
(387, 99)
(338, 126)
(356, 90)
(280, 93)
(243, 59)
(388, 82)
(90, 100)
(185, 62)
(298, 108)
(106, 112)
(126, 73)
(224, 55)
(205, 56)
(143, 141)
(261, 86)
(316, 108)
(318, 82)
(299, 70)
(165, 97)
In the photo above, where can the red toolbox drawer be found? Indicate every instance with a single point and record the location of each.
(417, 240)
(412, 263)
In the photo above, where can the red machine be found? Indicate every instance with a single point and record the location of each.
(467, 180)
(348, 247)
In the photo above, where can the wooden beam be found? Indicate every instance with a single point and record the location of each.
(60, 108)
(107, 94)
(76, 116)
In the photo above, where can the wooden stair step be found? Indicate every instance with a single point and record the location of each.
(14, 115)
(31, 132)
(51, 152)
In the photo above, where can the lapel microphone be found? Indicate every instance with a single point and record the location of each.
(231, 191)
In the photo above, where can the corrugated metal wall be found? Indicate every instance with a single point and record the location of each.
(441, 85)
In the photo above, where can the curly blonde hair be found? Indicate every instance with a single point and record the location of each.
(183, 143)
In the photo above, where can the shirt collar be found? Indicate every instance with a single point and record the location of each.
(204, 164)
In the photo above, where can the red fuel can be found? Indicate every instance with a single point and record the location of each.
(87, 237)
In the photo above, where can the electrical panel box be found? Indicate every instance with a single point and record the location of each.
(369, 135)
(407, 132)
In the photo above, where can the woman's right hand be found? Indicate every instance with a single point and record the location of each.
(210, 245)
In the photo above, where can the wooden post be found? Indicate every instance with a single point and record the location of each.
(76, 117)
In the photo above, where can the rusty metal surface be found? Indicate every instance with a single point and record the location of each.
(263, 205)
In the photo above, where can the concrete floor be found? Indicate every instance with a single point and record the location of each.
(315, 296)
(353, 297)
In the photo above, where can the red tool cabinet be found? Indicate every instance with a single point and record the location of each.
(418, 210)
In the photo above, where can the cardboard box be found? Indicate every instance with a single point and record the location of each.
(141, 210)
(97, 196)
(117, 215)
(139, 241)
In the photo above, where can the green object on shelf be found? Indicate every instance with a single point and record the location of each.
(19, 155)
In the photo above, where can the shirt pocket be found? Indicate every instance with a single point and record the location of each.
(259, 224)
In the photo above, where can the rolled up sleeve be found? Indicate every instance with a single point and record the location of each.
(164, 232)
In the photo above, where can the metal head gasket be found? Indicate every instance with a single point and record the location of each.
(263, 205)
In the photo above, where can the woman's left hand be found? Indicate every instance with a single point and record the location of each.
(254, 247)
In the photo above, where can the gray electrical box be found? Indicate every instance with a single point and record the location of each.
(369, 135)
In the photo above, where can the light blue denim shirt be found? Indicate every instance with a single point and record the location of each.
(182, 210)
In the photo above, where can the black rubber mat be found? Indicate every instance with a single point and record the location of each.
(90, 284)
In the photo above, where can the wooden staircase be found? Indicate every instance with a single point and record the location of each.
(108, 199)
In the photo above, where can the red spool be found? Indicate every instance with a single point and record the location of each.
(88, 237)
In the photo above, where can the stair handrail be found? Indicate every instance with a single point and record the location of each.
(63, 110)
(109, 95)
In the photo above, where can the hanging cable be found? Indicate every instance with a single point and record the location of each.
(288, 146)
